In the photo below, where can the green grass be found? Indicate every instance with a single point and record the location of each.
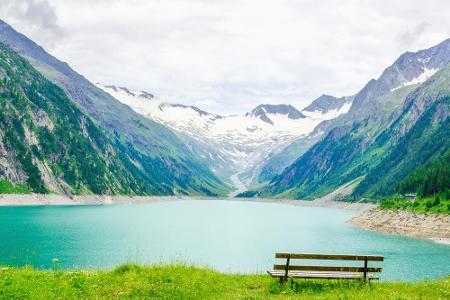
(184, 282)
(7, 187)
(420, 205)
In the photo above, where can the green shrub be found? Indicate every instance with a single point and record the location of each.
(437, 200)
(7, 187)
(437, 204)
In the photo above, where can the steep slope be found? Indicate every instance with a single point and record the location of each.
(421, 133)
(380, 97)
(277, 162)
(48, 145)
(151, 139)
(365, 137)
(410, 69)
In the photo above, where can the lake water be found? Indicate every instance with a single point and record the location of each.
(229, 236)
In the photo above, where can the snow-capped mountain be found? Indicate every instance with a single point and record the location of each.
(409, 70)
(264, 110)
(235, 145)
(328, 107)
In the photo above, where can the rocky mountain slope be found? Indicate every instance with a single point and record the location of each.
(48, 145)
(153, 141)
(396, 123)
(236, 146)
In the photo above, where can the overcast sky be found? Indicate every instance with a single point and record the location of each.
(227, 56)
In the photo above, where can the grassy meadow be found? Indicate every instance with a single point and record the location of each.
(186, 282)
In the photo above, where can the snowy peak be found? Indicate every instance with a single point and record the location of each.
(411, 68)
(145, 94)
(328, 107)
(327, 103)
(138, 101)
(121, 89)
(264, 111)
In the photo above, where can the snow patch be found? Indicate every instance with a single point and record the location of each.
(331, 114)
(424, 76)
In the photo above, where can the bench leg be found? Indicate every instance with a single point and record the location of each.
(365, 269)
(286, 270)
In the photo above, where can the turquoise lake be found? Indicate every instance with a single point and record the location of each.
(229, 236)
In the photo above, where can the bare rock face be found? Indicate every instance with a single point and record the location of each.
(2, 150)
(9, 167)
(41, 119)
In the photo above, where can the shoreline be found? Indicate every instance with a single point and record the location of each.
(434, 227)
(356, 206)
(66, 200)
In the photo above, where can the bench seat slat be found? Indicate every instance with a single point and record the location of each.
(321, 275)
(327, 268)
(329, 256)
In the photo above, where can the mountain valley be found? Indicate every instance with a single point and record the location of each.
(236, 146)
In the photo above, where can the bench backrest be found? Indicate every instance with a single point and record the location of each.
(339, 257)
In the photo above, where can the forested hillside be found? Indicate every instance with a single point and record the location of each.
(48, 145)
(429, 179)
(427, 139)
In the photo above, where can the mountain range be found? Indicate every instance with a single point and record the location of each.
(60, 133)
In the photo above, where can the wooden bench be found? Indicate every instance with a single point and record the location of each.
(287, 270)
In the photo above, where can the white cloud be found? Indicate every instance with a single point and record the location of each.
(228, 56)
(37, 18)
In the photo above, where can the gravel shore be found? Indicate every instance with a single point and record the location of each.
(435, 227)
(49, 199)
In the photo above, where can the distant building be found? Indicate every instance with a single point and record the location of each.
(411, 196)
